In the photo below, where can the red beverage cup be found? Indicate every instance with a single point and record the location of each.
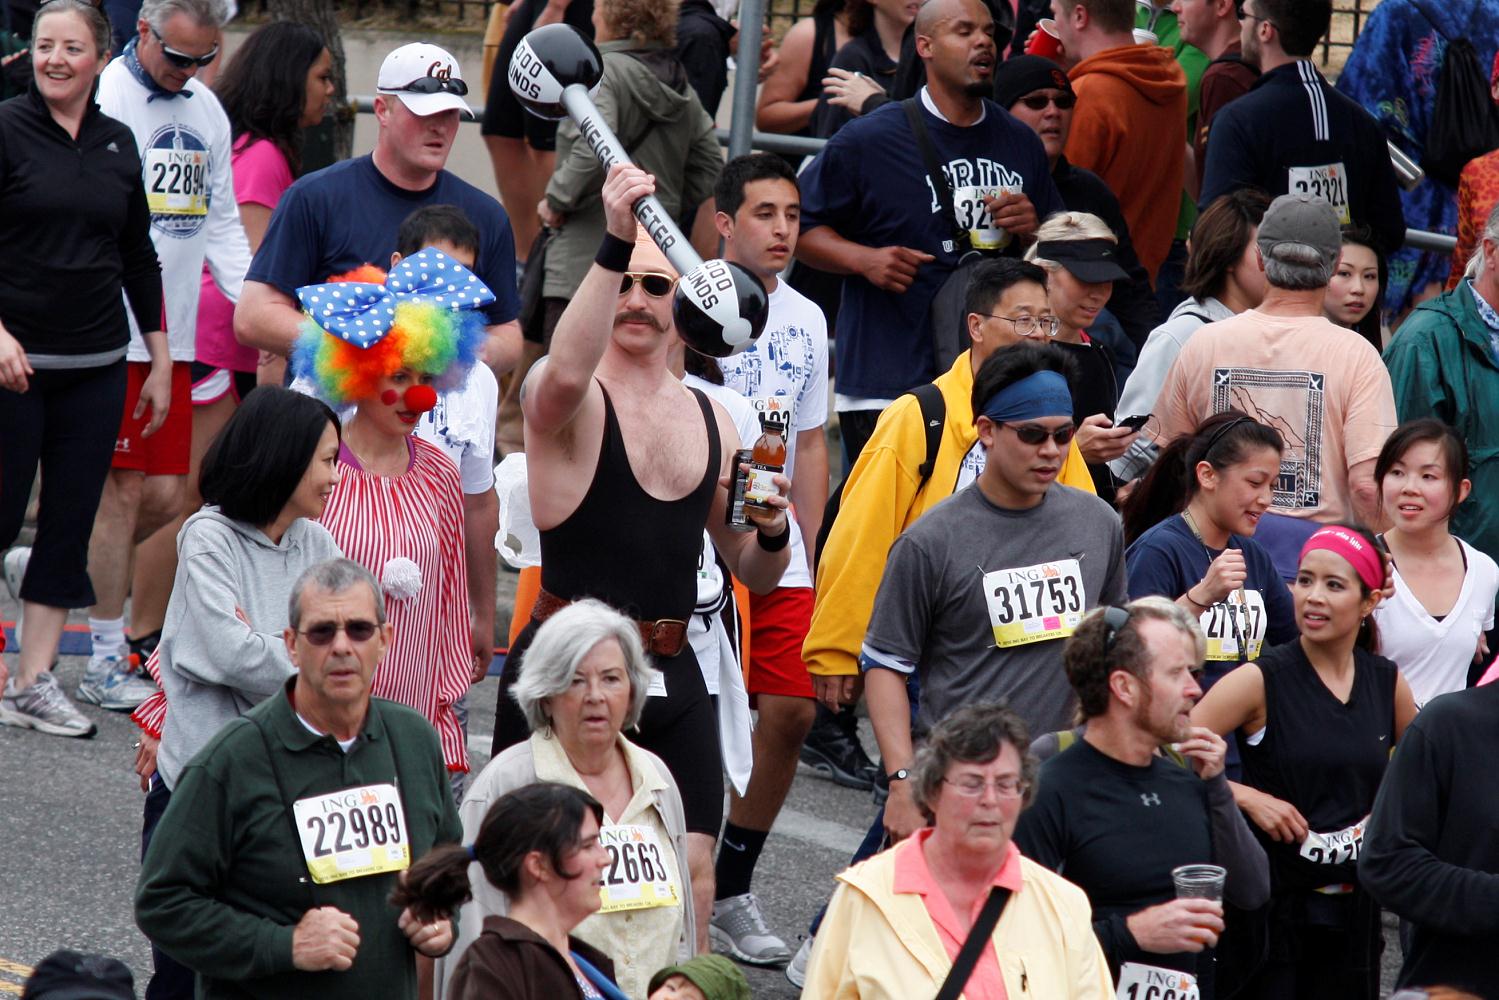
(1045, 41)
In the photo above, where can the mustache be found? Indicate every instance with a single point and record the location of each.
(639, 316)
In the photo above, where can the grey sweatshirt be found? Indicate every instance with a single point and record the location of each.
(1144, 383)
(214, 667)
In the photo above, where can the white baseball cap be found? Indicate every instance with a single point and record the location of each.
(426, 79)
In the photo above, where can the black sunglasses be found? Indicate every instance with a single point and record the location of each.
(654, 285)
(357, 630)
(1114, 620)
(1034, 434)
(181, 59)
(1038, 102)
(432, 85)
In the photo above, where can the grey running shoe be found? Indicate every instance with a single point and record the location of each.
(110, 683)
(796, 969)
(15, 568)
(738, 930)
(45, 708)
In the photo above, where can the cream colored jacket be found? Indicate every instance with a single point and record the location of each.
(876, 944)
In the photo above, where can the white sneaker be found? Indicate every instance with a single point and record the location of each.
(738, 930)
(45, 708)
(110, 683)
(15, 568)
(796, 969)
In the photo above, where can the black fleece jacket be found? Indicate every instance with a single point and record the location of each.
(73, 216)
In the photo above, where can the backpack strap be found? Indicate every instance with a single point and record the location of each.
(912, 107)
(933, 418)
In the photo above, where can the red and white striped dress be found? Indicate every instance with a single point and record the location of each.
(418, 516)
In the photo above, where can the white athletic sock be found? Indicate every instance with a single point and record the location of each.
(108, 635)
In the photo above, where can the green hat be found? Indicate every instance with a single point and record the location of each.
(716, 976)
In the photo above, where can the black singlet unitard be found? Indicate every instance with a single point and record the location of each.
(639, 555)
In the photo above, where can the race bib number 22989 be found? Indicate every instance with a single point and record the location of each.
(353, 833)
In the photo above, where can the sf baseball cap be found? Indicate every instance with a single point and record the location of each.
(426, 79)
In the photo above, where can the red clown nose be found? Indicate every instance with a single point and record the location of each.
(421, 398)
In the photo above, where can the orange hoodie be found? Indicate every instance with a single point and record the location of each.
(1130, 128)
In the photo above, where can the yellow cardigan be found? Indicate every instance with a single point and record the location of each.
(880, 501)
(877, 944)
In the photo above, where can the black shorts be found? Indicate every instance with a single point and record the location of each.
(503, 115)
(681, 729)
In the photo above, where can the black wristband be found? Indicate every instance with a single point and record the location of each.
(614, 253)
(773, 543)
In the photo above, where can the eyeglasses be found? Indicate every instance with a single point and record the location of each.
(1244, 15)
(654, 285)
(1027, 325)
(1004, 788)
(181, 59)
(1038, 102)
(431, 85)
(323, 633)
(1034, 434)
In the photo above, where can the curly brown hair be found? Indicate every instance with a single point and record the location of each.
(641, 21)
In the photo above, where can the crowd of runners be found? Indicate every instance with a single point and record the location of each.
(1155, 541)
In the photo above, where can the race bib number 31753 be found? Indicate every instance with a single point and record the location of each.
(353, 833)
(1035, 603)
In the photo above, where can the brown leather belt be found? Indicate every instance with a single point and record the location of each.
(663, 637)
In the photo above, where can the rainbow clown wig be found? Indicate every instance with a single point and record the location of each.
(366, 325)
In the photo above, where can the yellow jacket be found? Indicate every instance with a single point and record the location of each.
(880, 501)
(876, 943)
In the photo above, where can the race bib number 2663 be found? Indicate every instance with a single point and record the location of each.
(1035, 603)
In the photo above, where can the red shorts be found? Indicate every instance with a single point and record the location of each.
(778, 626)
(166, 452)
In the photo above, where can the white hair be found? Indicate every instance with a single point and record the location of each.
(560, 645)
(208, 13)
(1297, 267)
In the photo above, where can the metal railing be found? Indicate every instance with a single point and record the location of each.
(797, 145)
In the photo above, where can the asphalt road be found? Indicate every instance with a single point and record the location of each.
(70, 813)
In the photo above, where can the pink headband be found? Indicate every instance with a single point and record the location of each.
(1362, 556)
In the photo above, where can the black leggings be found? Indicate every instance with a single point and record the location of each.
(681, 729)
(66, 423)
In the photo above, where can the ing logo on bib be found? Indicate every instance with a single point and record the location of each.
(176, 166)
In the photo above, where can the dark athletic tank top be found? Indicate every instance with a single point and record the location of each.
(625, 547)
(824, 47)
(1324, 757)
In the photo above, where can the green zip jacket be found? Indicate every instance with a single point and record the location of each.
(224, 881)
(1442, 365)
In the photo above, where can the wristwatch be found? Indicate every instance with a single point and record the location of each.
(900, 775)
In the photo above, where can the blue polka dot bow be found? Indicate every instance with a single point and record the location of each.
(361, 312)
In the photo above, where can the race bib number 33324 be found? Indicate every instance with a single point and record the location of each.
(1035, 603)
(353, 833)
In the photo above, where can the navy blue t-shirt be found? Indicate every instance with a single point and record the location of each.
(870, 184)
(340, 217)
(1168, 559)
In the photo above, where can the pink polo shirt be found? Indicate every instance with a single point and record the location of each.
(913, 875)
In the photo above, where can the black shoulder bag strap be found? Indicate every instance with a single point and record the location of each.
(973, 945)
(912, 106)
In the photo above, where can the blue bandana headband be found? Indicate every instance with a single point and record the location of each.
(1040, 394)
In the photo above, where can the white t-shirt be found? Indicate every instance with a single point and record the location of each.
(184, 145)
(461, 424)
(1434, 656)
(785, 371)
(747, 419)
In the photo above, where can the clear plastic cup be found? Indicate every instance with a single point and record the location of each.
(1199, 882)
